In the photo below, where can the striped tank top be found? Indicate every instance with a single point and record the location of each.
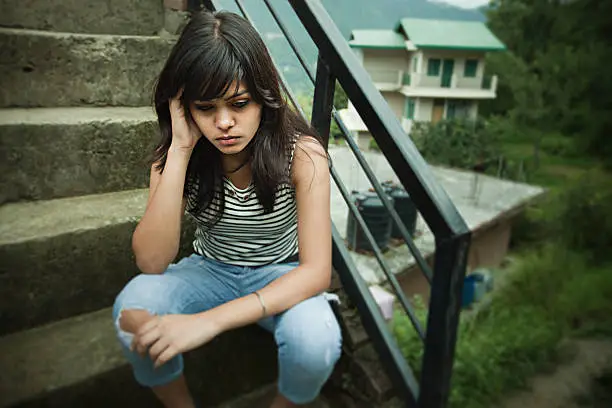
(244, 235)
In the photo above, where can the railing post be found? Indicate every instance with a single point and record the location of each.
(323, 100)
(443, 320)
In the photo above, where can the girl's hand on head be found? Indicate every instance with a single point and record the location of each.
(185, 134)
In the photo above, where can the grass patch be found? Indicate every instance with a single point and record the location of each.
(556, 168)
(550, 294)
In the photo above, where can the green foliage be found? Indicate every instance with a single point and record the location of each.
(560, 286)
(548, 294)
(555, 76)
(340, 102)
(340, 98)
(584, 216)
(458, 143)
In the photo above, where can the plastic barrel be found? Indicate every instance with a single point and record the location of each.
(471, 289)
(404, 207)
(376, 218)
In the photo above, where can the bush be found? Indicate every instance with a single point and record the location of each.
(549, 293)
(458, 143)
(584, 215)
(559, 145)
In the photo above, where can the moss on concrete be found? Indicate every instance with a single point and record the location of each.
(58, 69)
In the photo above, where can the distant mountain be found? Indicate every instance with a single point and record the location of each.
(348, 15)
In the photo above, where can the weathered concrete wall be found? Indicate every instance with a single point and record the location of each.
(39, 69)
(138, 17)
(53, 153)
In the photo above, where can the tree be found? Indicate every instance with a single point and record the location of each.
(555, 76)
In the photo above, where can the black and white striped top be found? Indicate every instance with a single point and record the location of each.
(244, 235)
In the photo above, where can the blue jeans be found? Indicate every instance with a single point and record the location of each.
(307, 335)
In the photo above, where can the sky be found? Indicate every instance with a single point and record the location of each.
(463, 3)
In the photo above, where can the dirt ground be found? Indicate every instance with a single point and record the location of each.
(570, 380)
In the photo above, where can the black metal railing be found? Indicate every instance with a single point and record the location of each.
(336, 61)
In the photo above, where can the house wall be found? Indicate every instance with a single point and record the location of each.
(474, 110)
(423, 109)
(416, 62)
(459, 56)
(488, 248)
(396, 102)
(374, 58)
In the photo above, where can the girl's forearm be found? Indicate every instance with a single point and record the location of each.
(282, 294)
(156, 239)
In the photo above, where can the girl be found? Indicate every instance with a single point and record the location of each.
(256, 180)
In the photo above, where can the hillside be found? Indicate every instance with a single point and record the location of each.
(348, 15)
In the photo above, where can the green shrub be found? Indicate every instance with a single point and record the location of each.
(559, 145)
(584, 215)
(459, 143)
(548, 294)
(530, 227)
(501, 353)
(585, 302)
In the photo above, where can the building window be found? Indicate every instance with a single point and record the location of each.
(409, 109)
(433, 67)
(470, 69)
(415, 64)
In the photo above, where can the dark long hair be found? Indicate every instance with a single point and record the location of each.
(213, 51)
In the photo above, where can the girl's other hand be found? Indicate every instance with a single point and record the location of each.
(185, 134)
(164, 337)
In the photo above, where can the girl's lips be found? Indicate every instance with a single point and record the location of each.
(228, 140)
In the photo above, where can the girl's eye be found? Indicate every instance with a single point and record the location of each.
(241, 104)
(203, 108)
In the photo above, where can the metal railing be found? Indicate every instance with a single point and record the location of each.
(336, 61)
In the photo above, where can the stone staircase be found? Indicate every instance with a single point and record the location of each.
(76, 127)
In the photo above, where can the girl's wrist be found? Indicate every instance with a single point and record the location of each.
(180, 151)
(215, 319)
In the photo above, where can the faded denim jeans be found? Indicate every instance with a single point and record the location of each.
(307, 335)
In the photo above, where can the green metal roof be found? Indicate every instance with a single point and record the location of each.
(376, 39)
(448, 34)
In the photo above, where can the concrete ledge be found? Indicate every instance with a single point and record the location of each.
(62, 152)
(78, 363)
(487, 205)
(138, 17)
(43, 69)
(69, 256)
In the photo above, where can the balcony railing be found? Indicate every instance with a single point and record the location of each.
(396, 78)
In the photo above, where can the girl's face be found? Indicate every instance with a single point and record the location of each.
(230, 122)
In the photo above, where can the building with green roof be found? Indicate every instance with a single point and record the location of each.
(427, 70)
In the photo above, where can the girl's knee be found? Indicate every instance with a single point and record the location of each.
(143, 297)
(313, 350)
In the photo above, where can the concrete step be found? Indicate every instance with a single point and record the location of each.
(138, 17)
(49, 69)
(67, 256)
(62, 152)
(263, 396)
(77, 362)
